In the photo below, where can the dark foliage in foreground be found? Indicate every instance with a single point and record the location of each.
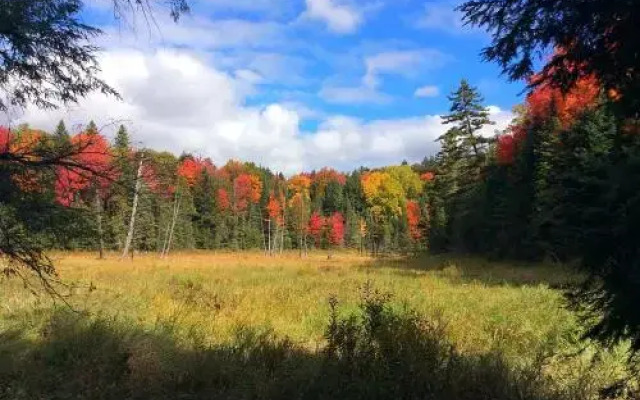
(375, 354)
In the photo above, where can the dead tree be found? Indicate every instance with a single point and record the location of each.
(174, 217)
(134, 208)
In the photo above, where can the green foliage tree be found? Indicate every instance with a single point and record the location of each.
(462, 159)
(468, 116)
(61, 131)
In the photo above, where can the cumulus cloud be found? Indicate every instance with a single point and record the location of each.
(176, 101)
(427, 91)
(339, 18)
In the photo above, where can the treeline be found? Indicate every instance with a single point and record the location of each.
(117, 197)
(562, 184)
(560, 181)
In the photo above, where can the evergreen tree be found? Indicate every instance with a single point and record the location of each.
(122, 142)
(61, 131)
(333, 200)
(462, 157)
(468, 116)
(92, 128)
(120, 204)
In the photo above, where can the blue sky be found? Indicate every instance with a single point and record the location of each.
(290, 84)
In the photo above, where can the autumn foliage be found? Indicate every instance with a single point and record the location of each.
(300, 183)
(546, 99)
(413, 220)
(192, 168)
(508, 145)
(93, 161)
(543, 103)
(427, 176)
(335, 225)
(316, 227)
(5, 139)
(326, 175)
(222, 199)
(23, 145)
(247, 190)
(274, 210)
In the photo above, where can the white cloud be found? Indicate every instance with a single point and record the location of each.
(407, 63)
(353, 95)
(339, 18)
(273, 67)
(173, 100)
(249, 76)
(401, 62)
(427, 91)
(197, 33)
(263, 6)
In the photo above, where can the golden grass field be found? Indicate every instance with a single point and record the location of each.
(484, 306)
(482, 302)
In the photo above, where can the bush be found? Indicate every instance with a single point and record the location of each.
(379, 352)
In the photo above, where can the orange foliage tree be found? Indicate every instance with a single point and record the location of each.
(192, 168)
(546, 99)
(247, 190)
(274, 210)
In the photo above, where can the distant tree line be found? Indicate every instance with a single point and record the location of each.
(141, 199)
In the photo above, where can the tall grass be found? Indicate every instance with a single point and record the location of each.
(229, 325)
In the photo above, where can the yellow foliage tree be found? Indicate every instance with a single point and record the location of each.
(407, 178)
(299, 207)
(383, 193)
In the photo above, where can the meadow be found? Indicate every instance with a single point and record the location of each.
(243, 325)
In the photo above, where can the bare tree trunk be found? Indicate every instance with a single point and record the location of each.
(99, 220)
(300, 244)
(306, 253)
(166, 235)
(268, 246)
(134, 208)
(176, 210)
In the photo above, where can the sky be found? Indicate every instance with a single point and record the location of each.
(289, 84)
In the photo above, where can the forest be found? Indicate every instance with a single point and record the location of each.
(144, 200)
(503, 266)
(557, 185)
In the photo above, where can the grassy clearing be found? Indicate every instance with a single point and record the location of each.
(156, 328)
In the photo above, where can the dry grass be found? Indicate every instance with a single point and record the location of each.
(516, 309)
(483, 303)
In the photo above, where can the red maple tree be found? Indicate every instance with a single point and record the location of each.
(509, 144)
(335, 225)
(93, 159)
(316, 227)
(413, 220)
(222, 199)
